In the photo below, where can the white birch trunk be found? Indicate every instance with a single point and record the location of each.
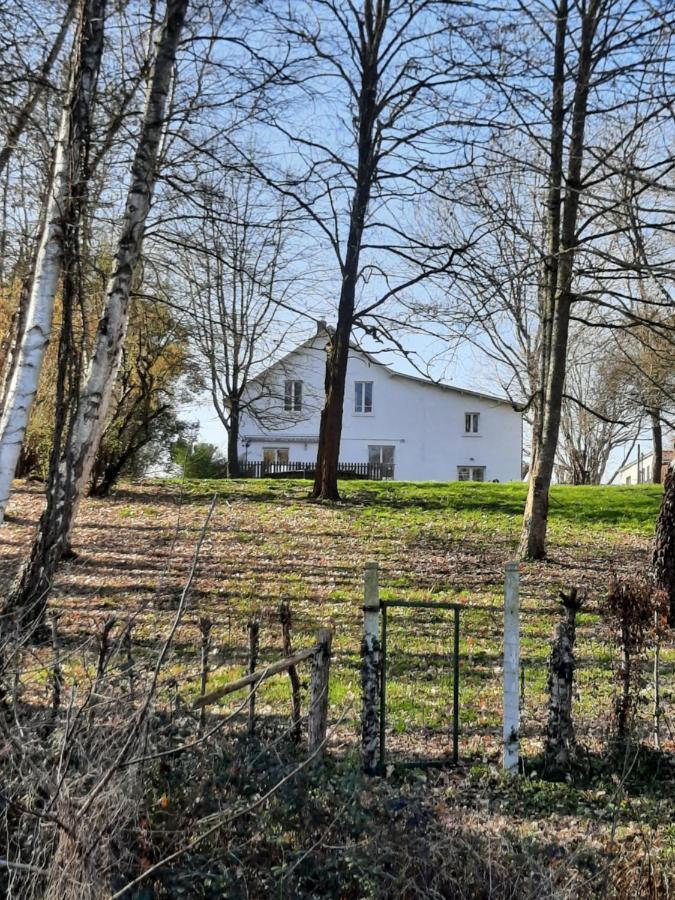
(24, 383)
(96, 394)
(27, 599)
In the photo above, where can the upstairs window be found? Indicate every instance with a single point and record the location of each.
(471, 423)
(363, 397)
(293, 396)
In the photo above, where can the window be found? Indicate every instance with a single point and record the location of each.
(275, 456)
(471, 423)
(382, 456)
(470, 473)
(628, 479)
(293, 396)
(363, 397)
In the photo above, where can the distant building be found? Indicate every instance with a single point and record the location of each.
(403, 426)
(639, 471)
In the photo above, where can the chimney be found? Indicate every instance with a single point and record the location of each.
(321, 327)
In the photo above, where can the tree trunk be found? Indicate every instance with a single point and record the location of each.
(233, 467)
(330, 430)
(558, 298)
(48, 262)
(663, 560)
(85, 432)
(657, 445)
(560, 738)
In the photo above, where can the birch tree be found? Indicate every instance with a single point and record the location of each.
(71, 477)
(60, 214)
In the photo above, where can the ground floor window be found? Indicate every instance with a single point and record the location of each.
(275, 456)
(471, 473)
(382, 455)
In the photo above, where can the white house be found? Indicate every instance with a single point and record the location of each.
(639, 471)
(422, 430)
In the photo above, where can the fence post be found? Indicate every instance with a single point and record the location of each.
(285, 619)
(511, 668)
(371, 667)
(317, 719)
(205, 626)
(253, 645)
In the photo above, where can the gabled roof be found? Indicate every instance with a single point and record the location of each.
(309, 344)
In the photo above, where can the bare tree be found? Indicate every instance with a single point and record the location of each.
(491, 304)
(582, 124)
(597, 414)
(368, 130)
(237, 271)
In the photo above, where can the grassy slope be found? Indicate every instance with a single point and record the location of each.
(432, 542)
(449, 542)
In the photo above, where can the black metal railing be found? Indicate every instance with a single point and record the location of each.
(370, 471)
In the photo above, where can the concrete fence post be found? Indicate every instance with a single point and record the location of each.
(371, 667)
(511, 668)
(317, 719)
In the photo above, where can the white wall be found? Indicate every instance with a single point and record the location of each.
(631, 474)
(424, 422)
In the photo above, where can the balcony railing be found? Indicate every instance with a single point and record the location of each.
(370, 471)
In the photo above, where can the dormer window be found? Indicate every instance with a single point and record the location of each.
(363, 397)
(471, 423)
(293, 396)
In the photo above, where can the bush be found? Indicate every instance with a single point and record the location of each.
(199, 460)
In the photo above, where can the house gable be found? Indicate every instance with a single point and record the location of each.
(429, 430)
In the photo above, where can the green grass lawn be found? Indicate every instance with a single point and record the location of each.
(434, 542)
(439, 542)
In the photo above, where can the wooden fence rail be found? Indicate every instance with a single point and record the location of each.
(317, 715)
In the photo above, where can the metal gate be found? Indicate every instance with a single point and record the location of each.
(385, 606)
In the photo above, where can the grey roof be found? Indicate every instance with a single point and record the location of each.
(428, 382)
(441, 384)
